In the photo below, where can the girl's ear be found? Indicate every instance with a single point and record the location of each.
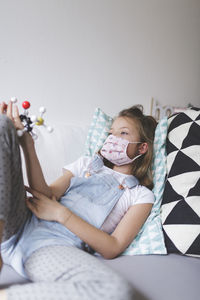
(143, 148)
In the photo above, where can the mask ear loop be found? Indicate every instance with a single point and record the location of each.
(135, 142)
(136, 157)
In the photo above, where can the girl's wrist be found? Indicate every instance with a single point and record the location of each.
(64, 215)
(26, 140)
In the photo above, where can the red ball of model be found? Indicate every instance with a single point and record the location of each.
(26, 104)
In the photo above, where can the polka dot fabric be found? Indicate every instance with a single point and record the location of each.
(62, 272)
(13, 210)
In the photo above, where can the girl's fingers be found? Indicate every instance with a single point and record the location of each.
(31, 191)
(30, 204)
(39, 195)
(16, 117)
(3, 107)
(28, 201)
(16, 112)
(9, 111)
(35, 193)
(54, 198)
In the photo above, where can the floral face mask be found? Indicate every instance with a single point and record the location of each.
(115, 150)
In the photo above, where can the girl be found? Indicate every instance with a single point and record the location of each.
(98, 205)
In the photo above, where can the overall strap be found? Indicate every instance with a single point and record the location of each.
(131, 181)
(96, 164)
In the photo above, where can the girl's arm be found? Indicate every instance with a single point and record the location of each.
(33, 169)
(109, 246)
(35, 175)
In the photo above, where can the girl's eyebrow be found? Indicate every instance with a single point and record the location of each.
(121, 128)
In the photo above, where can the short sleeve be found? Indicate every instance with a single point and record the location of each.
(78, 167)
(144, 195)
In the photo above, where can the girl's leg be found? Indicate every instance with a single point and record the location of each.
(62, 273)
(68, 291)
(13, 210)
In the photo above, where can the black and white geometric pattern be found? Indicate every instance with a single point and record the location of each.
(180, 211)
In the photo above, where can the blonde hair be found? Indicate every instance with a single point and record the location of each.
(142, 166)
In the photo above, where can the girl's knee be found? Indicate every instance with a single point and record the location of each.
(6, 125)
(3, 295)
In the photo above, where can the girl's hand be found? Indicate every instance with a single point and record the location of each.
(43, 207)
(12, 113)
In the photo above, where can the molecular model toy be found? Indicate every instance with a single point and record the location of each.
(30, 122)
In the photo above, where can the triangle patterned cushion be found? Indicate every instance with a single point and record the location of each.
(150, 239)
(181, 199)
(98, 132)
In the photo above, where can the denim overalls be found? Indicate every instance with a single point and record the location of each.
(91, 197)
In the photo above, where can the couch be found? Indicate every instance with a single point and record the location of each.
(154, 277)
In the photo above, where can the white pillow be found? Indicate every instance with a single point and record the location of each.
(63, 146)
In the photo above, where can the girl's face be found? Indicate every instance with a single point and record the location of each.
(127, 128)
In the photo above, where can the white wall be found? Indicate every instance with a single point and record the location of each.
(74, 55)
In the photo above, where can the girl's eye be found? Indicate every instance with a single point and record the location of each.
(124, 133)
